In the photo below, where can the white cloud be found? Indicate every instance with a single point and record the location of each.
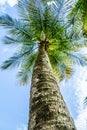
(81, 121)
(81, 92)
(2, 2)
(10, 2)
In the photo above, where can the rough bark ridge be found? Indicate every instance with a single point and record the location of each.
(48, 110)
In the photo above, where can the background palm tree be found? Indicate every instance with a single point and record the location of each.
(80, 11)
(80, 14)
(49, 43)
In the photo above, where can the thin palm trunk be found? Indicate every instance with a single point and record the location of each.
(48, 110)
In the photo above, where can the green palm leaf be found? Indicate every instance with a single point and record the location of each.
(19, 57)
(80, 14)
(26, 69)
(18, 41)
(15, 27)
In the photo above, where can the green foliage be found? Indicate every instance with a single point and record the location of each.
(80, 13)
(26, 68)
(53, 22)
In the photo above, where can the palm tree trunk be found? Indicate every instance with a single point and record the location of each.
(48, 110)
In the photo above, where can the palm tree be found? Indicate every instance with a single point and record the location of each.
(80, 11)
(48, 47)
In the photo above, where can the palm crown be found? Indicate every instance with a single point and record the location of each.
(41, 21)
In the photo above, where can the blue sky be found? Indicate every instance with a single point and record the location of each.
(14, 100)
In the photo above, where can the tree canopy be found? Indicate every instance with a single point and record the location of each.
(58, 23)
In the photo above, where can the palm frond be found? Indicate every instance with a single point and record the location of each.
(61, 64)
(77, 58)
(66, 8)
(15, 27)
(18, 41)
(12, 62)
(80, 14)
(42, 18)
(35, 17)
(18, 58)
(24, 74)
(22, 7)
(64, 54)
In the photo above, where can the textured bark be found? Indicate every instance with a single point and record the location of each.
(48, 110)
